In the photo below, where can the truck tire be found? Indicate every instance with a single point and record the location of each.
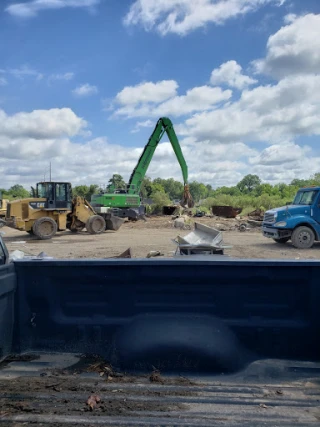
(95, 224)
(44, 228)
(302, 237)
(282, 240)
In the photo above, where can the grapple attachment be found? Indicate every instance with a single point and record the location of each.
(187, 200)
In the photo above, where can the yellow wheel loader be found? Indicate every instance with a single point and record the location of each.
(3, 206)
(54, 209)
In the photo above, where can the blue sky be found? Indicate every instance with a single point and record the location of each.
(83, 82)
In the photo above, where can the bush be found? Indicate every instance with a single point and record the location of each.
(159, 199)
(246, 202)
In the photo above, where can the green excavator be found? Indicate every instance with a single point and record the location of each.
(126, 203)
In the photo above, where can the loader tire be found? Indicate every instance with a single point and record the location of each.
(95, 224)
(44, 228)
(302, 237)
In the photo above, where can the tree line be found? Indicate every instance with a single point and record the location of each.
(249, 193)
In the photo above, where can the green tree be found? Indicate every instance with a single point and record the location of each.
(4, 193)
(159, 199)
(232, 191)
(146, 188)
(18, 191)
(173, 188)
(116, 182)
(315, 179)
(198, 191)
(300, 182)
(85, 191)
(263, 189)
(249, 183)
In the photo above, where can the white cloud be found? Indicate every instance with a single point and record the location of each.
(25, 71)
(183, 16)
(294, 49)
(139, 125)
(41, 124)
(27, 138)
(230, 73)
(218, 126)
(288, 170)
(85, 90)
(219, 130)
(3, 81)
(66, 76)
(33, 7)
(278, 154)
(25, 149)
(147, 92)
(267, 113)
(45, 135)
(196, 99)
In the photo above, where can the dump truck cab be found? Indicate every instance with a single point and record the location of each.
(298, 222)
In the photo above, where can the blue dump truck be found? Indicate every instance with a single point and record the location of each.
(298, 222)
(190, 341)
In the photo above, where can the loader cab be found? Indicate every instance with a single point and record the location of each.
(58, 194)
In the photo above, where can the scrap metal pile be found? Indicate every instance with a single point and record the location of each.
(203, 240)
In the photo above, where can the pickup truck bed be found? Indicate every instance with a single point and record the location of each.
(180, 342)
(48, 392)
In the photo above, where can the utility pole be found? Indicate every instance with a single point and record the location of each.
(50, 171)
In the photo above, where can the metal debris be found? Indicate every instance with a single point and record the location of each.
(203, 240)
(226, 211)
(152, 254)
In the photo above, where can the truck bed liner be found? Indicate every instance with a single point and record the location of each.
(52, 391)
(239, 338)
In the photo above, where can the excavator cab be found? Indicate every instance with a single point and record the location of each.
(58, 195)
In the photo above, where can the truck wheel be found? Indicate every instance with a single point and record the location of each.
(282, 240)
(44, 228)
(302, 237)
(95, 224)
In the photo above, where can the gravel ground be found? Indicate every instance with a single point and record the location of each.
(155, 234)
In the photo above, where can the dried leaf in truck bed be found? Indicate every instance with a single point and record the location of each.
(155, 377)
(92, 401)
(262, 405)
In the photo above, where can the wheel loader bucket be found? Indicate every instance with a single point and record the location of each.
(114, 223)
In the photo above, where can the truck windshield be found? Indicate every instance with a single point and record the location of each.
(305, 197)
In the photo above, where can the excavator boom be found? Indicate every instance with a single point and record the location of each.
(164, 125)
(127, 203)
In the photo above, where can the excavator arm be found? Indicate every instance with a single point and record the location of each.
(164, 125)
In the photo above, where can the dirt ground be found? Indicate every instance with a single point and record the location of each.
(157, 234)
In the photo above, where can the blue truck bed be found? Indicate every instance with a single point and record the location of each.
(161, 342)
